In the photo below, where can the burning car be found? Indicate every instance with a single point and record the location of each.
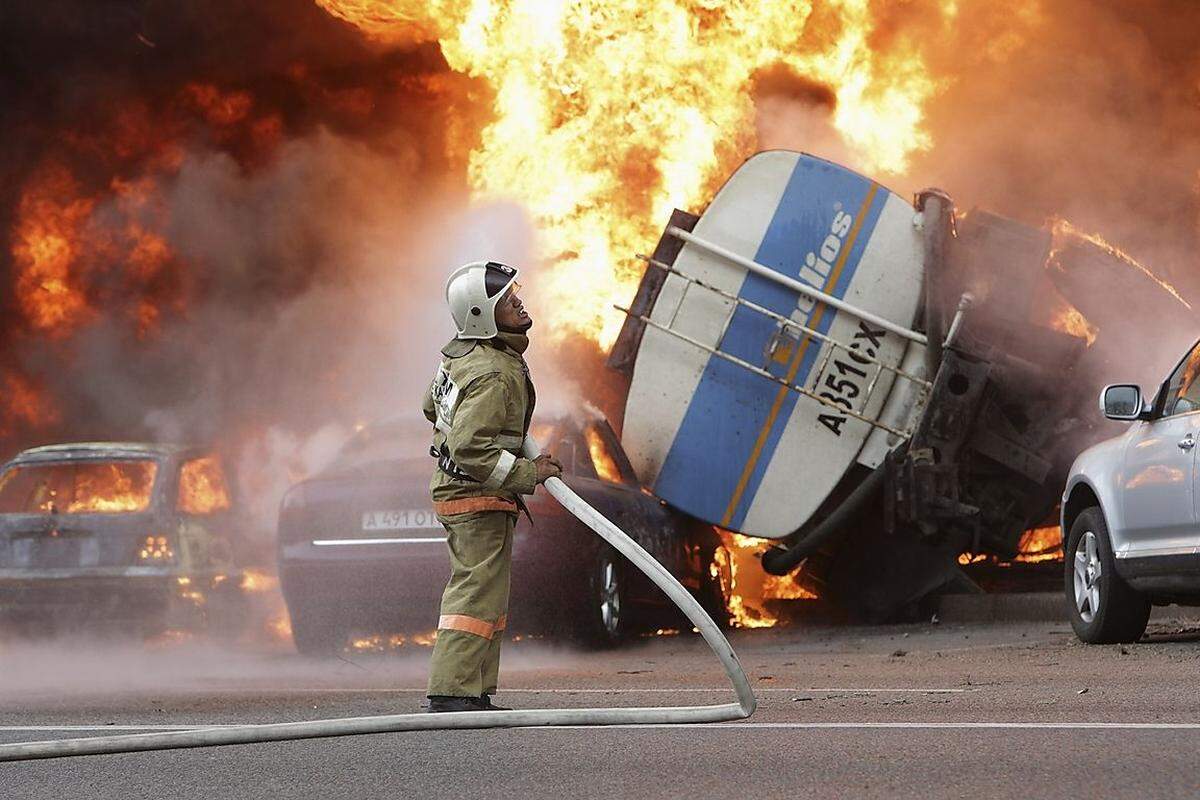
(361, 551)
(130, 535)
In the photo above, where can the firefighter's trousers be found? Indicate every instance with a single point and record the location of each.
(466, 657)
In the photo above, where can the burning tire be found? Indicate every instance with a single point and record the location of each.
(605, 619)
(1103, 608)
(716, 585)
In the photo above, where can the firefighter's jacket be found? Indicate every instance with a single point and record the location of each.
(481, 402)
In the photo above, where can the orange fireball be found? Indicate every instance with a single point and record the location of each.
(609, 114)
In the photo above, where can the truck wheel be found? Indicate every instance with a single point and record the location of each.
(1103, 608)
(315, 632)
(605, 618)
(716, 585)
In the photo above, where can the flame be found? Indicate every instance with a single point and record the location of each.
(47, 241)
(605, 464)
(1062, 228)
(82, 248)
(1035, 545)
(111, 487)
(739, 560)
(1040, 544)
(1070, 319)
(60, 248)
(170, 638)
(280, 626)
(378, 642)
(202, 486)
(257, 581)
(608, 115)
(23, 405)
(219, 109)
(146, 256)
(426, 639)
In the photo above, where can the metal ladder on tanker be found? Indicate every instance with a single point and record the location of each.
(787, 324)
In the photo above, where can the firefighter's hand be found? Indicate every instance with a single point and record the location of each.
(547, 467)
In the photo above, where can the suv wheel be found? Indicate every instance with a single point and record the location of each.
(1103, 608)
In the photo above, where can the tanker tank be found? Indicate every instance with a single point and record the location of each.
(878, 385)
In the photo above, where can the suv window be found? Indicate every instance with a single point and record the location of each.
(78, 487)
(1183, 388)
(202, 486)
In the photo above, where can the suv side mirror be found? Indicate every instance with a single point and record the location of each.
(1121, 401)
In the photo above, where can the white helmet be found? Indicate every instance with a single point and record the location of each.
(472, 293)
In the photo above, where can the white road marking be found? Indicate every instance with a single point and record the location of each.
(725, 690)
(979, 725)
(659, 690)
(118, 727)
(967, 725)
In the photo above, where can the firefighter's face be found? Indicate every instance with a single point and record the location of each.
(510, 311)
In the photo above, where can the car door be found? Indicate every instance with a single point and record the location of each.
(1159, 475)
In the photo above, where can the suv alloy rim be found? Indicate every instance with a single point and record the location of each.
(610, 596)
(1087, 577)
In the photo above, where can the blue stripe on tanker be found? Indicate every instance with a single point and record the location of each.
(731, 406)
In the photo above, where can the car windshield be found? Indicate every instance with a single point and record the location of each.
(79, 487)
(403, 447)
(602, 457)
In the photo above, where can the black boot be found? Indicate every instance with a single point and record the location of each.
(440, 703)
(485, 704)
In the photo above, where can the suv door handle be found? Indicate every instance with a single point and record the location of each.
(1187, 443)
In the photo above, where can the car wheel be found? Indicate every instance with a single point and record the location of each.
(1103, 608)
(315, 632)
(605, 621)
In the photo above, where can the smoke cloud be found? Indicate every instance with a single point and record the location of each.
(1083, 109)
(307, 195)
(256, 212)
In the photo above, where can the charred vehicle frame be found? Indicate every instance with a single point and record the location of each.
(128, 536)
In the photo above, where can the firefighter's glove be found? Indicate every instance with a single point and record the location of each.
(547, 467)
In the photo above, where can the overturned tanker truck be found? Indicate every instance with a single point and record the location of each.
(876, 384)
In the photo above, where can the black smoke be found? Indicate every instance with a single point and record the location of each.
(300, 229)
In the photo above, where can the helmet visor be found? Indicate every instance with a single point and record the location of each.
(497, 277)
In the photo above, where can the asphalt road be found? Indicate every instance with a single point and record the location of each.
(928, 711)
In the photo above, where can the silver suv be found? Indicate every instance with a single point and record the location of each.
(1131, 532)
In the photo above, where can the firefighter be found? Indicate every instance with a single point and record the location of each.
(480, 402)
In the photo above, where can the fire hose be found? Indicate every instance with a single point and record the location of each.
(392, 723)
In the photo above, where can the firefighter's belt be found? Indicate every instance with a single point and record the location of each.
(447, 465)
(467, 505)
